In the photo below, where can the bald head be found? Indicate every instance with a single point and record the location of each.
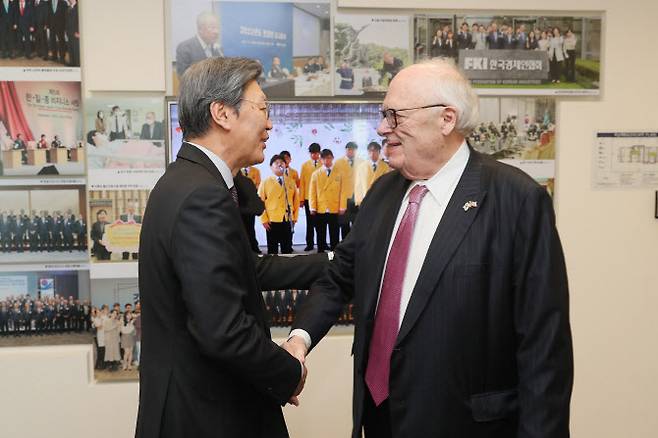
(440, 81)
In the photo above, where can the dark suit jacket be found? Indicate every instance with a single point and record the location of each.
(188, 52)
(208, 367)
(57, 20)
(8, 16)
(484, 349)
(250, 202)
(26, 20)
(495, 41)
(158, 133)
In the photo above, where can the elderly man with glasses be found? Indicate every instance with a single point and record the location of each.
(208, 367)
(458, 281)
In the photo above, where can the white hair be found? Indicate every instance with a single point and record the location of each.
(204, 18)
(455, 90)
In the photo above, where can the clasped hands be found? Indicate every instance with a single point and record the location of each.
(297, 348)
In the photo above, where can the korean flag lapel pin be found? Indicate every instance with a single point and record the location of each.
(470, 204)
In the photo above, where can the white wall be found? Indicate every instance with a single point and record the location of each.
(610, 240)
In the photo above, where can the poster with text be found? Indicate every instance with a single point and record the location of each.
(41, 129)
(625, 160)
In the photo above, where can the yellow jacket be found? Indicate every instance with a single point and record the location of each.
(273, 195)
(304, 181)
(253, 174)
(326, 193)
(364, 177)
(342, 165)
(292, 173)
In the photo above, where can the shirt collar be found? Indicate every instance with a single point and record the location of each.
(218, 162)
(441, 183)
(204, 45)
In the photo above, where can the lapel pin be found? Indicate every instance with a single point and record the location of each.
(470, 204)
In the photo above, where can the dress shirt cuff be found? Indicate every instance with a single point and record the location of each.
(302, 334)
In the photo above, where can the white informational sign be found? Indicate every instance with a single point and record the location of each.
(625, 160)
(47, 287)
(12, 285)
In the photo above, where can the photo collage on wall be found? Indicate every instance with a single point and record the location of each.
(76, 168)
(44, 261)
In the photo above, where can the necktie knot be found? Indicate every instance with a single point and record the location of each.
(417, 193)
(280, 181)
(328, 172)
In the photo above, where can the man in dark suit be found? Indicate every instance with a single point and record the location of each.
(41, 28)
(127, 217)
(7, 33)
(208, 367)
(96, 235)
(151, 129)
(57, 26)
(250, 206)
(24, 27)
(201, 46)
(73, 34)
(494, 38)
(458, 280)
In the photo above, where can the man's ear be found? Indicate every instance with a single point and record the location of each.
(221, 115)
(449, 116)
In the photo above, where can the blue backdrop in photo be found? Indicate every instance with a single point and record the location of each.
(257, 30)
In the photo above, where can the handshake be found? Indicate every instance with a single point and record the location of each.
(296, 346)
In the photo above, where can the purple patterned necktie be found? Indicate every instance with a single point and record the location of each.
(234, 194)
(387, 318)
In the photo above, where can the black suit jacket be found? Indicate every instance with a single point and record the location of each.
(484, 349)
(57, 19)
(26, 20)
(208, 367)
(158, 133)
(189, 52)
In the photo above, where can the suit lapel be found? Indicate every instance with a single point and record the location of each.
(384, 230)
(451, 230)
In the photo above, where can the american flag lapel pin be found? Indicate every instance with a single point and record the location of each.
(470, 204)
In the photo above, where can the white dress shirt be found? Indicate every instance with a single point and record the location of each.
(441, 187)
(218, 162)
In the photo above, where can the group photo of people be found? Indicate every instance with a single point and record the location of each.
(25, 315)
(36, 33)
(326, 191)
(282, 306)
(43, 224)
(117, 335)
(566, 40)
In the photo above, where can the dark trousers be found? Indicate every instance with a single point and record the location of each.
(322, 221)
(571, 66)
(74, 51)
(6, 41)
(249, 221)
(376, 419)
(41, 42)
(310, 225)
(24, 42)
(100, 358)
(124, 256)
(279, 234)
(555, 69)
(347, 220)
(57, 44)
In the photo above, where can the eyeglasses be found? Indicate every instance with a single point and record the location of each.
(391, 115)
(266, 109)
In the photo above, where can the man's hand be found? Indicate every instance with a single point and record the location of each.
(294, 400)
(313, 212)
(301, 204)
(296, 347)
(266, 225)
(342, 211)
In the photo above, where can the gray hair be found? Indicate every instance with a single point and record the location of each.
(208, 81)
(454, 89)
(204, 18)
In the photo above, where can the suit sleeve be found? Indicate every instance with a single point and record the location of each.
(183, 59)
(327, 296)
(281, 273)
(544, 351)
(205, 242)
